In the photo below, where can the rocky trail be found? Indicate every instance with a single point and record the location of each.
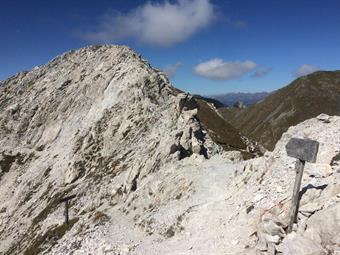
(165, 222)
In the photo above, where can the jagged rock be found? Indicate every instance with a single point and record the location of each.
(324, 226)
(272, 225)
(319, 170)
(262, 242)
(239, 105)
(271, 249)
(298, 245)
(261, 178)
(186, 103)
(173, 148)
(310, 208)
(272, 238)
(324, 117)
(71, 175)
(311, 193)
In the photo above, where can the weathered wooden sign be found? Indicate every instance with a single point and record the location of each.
(66, 200)
(303, 150)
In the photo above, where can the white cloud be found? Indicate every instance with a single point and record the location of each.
(217, 69)
(306, 69)
(262, 72)
(171, 70)
(161, 24)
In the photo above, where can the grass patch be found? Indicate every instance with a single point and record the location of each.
(53, 203)
(100, 218)
(50, 238)
(304, 98)
(218, 128)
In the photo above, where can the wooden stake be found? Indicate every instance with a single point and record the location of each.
(66, 200)
(300, 164)
(66, 212)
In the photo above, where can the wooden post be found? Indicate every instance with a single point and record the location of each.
(295, 199)
(66, 212)
(66, 200)
(303, 150)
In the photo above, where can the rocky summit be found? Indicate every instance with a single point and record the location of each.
(89, 122)
(150, 169)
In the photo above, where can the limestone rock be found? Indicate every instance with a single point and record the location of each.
(319, 170)
(92, 116)
(297, 245)
(325, 226)
(71, 175)
(310, 208)
(272, 226)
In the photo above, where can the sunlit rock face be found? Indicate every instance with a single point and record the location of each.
(147, 166)
(95, 120)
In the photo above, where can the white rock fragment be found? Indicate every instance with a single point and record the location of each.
(298, 245)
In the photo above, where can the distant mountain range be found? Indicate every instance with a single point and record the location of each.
(304, 98)
(229, 99)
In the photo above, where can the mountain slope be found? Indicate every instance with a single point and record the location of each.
(304, 98)
(223, 133)
(94, 122)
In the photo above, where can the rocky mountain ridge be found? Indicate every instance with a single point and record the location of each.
(154, 170)
(94, 122)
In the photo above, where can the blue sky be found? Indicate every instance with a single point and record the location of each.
(207, 46)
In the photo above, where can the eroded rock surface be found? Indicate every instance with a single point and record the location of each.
(267, 185)
(90, 121)
(100, 123)
(94, 122)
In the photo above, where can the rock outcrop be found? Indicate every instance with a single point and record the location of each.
(271, 178)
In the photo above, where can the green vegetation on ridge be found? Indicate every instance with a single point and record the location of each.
(304, 98)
